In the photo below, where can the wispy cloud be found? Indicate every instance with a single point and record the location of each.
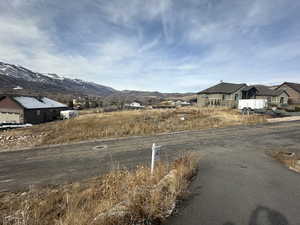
(165, 45)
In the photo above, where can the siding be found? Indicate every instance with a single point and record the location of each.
(36, 116)
(7, 117)
(10, 111)
(294, 96)
(277, 100)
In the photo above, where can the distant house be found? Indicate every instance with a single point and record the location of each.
(274, 97)
(182, 103)
(135, 105)
(28, 109)
(293, 90)
(222, 94)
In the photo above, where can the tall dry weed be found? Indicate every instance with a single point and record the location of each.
(81, 203)
(130, 123)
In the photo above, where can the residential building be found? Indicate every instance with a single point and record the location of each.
(274, 97)
(222, 94)
(29, 109)
(293, 90)
(135, 105)
(228, 94)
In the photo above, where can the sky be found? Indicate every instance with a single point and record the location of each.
(155, 45)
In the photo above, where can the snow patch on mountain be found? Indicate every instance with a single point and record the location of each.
(49, 81)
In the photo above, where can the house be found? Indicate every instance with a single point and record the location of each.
(293, 90)
(222, 94)
(180, 102)
(29, 109)
(274, 97)
(134, 105)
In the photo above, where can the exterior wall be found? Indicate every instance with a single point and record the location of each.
(36, 116)
(281, 99)
(239, 95)
(10, 111)
(276, 100)
(294, 96)
(202, 100)
(7, 117)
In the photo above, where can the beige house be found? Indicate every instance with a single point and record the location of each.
(274, 97)
(293, 90)
(228, 95)
(222, 94)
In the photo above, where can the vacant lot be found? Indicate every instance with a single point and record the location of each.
(125, 123)
(120, 197)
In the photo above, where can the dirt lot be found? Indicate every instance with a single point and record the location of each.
(121, 124)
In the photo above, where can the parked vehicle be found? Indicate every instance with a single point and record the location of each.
(68, 114)
(252, 104)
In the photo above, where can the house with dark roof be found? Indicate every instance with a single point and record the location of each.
(222, 94)
(275, 97)
(228, 95)
(29, 109)
(293, 90)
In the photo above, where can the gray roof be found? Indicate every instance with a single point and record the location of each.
(295, 86)
(38, 103)
(263, 90)
(223, 88)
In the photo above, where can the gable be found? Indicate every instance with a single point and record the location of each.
(287, 87)
(8, 103)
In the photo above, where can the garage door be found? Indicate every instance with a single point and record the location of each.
(9, 117)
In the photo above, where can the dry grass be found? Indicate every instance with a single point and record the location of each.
(81, 203)
(129, 123)
(289, 159)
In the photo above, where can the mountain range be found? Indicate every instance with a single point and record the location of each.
(18, 79)
(15, 77)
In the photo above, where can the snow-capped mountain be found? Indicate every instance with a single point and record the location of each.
(14, 77)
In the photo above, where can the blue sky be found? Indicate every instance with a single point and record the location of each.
(162, 45)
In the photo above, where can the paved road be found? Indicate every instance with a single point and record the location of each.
(238, 184)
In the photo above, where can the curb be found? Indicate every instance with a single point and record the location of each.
(283, 119)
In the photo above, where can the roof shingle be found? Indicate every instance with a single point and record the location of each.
(295, 86)
(223, 88)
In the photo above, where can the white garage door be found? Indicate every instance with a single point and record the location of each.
(9, 117)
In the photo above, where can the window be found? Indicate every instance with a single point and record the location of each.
(281, 100)
(38, 112)
(236, 97)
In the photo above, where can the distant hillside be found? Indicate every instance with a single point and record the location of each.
(18, 78)
(15, 79)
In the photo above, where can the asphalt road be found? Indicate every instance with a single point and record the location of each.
(237, 184)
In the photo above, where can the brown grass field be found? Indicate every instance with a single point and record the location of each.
(82, 203)
(125, 123)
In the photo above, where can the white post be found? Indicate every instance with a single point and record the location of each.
(153, 157)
